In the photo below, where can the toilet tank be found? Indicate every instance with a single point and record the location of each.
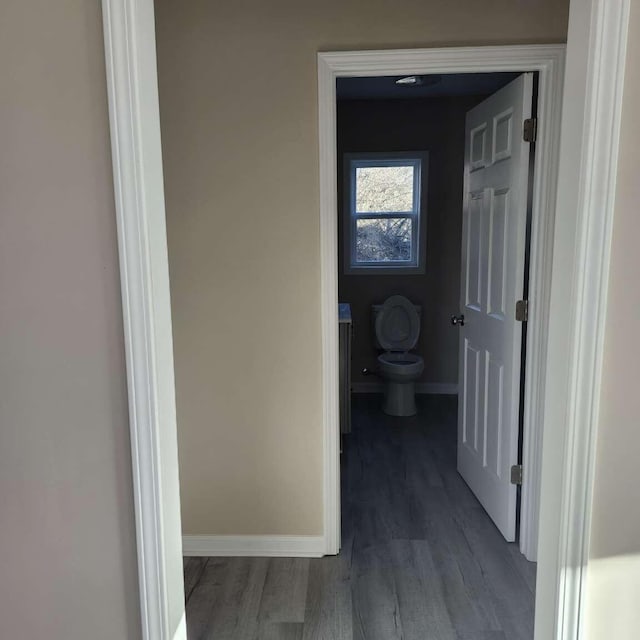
(375, 309)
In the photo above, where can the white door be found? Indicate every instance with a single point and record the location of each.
(493, 257)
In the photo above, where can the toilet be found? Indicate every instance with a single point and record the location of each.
(397, 327)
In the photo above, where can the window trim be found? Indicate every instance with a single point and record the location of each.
(354, 160)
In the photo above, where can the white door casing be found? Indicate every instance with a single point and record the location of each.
(492, 280)
(548, 62)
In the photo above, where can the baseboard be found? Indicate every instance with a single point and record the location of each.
(438, 388)
(254, 546)
(366, 387)
(443, 388)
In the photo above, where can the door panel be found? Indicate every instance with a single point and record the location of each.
(470, 403)
(474, 252)
(498, 239)
(493, 255)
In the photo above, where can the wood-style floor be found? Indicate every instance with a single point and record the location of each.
(420, 558)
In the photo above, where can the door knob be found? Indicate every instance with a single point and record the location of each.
(457, 320)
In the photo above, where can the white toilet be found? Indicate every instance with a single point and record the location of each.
(397, 327)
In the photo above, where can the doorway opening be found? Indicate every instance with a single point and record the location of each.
(434, 207)
(514, 399)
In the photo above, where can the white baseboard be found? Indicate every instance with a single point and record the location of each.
(443, 388)
(254, 546)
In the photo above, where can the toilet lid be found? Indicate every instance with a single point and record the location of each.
(397, 324)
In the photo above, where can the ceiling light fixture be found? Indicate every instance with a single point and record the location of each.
(410, 80)
(419, 81)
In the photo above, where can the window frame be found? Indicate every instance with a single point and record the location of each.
(353, 161)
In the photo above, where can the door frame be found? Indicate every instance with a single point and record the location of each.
(548, 61)
(575, 304)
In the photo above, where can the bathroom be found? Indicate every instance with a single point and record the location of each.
(378, 118)
(401, 168)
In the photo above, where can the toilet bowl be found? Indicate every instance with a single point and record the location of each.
(397, 328)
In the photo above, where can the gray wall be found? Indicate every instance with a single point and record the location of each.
(67, 539)
(437, 126)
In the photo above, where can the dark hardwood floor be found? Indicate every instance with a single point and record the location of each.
(420, 558)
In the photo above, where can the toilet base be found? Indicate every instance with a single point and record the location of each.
(399, 399)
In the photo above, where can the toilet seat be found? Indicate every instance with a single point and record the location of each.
(397, 365)
(397, 325)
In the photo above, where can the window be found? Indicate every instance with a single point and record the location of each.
(384, 225)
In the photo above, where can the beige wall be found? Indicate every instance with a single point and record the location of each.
(67, 541)
(238, 107)
(614, 574)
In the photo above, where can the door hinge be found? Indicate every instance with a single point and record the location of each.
(522, 310)
(516, 474)
(530, 130)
